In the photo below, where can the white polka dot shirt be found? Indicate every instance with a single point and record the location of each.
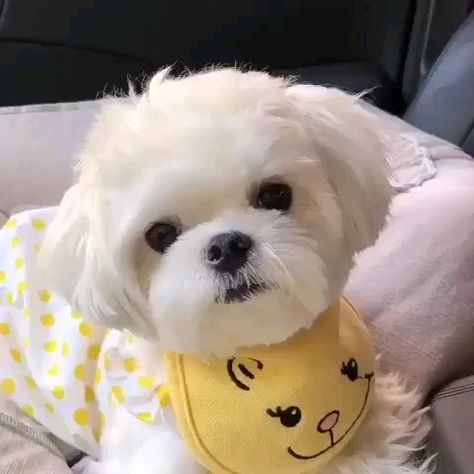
(58, 368)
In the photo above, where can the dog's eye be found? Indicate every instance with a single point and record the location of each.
(161, 235)
(350, 369)
(289, 417)
(274, 196)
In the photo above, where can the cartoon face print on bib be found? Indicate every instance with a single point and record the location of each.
(288, 408)
(312, 419)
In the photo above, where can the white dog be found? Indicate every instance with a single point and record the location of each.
(223, 210)
(291, 178)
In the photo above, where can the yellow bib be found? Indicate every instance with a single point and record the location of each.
(288, 408)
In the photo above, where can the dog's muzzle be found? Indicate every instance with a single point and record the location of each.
(226, 254)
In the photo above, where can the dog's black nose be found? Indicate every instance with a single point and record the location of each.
(226, 253)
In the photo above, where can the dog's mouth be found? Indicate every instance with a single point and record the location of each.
(241, 293)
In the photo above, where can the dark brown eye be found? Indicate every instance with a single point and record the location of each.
(274, 196)
(161, 235)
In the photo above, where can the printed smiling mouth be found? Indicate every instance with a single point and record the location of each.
(302, 457)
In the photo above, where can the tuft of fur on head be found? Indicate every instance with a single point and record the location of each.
(393, 433)
(193, 151)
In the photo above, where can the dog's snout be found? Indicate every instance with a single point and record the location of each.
(227, 252)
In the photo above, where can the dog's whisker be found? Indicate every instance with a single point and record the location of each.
(281, 265)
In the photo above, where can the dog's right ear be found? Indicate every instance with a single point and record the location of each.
(350, 143)
(87, 267)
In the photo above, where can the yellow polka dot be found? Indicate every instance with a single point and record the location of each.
(146, 382)
(107, 363)
(22, 286)
(11, 223)
(76, 314)
(130, 339)
(4, 329)
(8, 386)
(146, 416)
(49, 407)
(89, 394)
(58, 392)
(16, 355)
(10, 298)
(37, 247)
(81, 417)
(54, 370)
(3, 276)
(93, 351)
(119, 394)
(86, 329)
(19, 263)
(66, 349)
(97, 434)
(38, 224)
(163, 396)
(25, 342)
(16, 241)
(131, 364)
(29, 410)
(50, 346)
(47, 319)
(79, 372)
(98, 376)
(30, 381)
(102, 419)
(45, 296)
(26, 314)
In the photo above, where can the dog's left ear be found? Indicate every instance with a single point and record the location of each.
(86, 264)
(349, 141)
(85, 257)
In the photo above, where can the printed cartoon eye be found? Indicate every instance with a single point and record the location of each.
(289, 417)
(244, 374)
(350, 369)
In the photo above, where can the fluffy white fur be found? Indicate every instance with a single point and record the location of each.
(193, 151)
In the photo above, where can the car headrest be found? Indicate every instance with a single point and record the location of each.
(444, 105)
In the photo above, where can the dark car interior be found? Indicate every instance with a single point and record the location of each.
(415, 57)
(59, 51)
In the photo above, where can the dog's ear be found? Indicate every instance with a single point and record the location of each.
(83, 262)
(349, 141)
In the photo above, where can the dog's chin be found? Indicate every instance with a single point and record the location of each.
(244, 317)
(200, 314)
(241, 293)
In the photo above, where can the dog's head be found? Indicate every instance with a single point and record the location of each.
(220, 209)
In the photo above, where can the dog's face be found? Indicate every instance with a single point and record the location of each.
(219, 210)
